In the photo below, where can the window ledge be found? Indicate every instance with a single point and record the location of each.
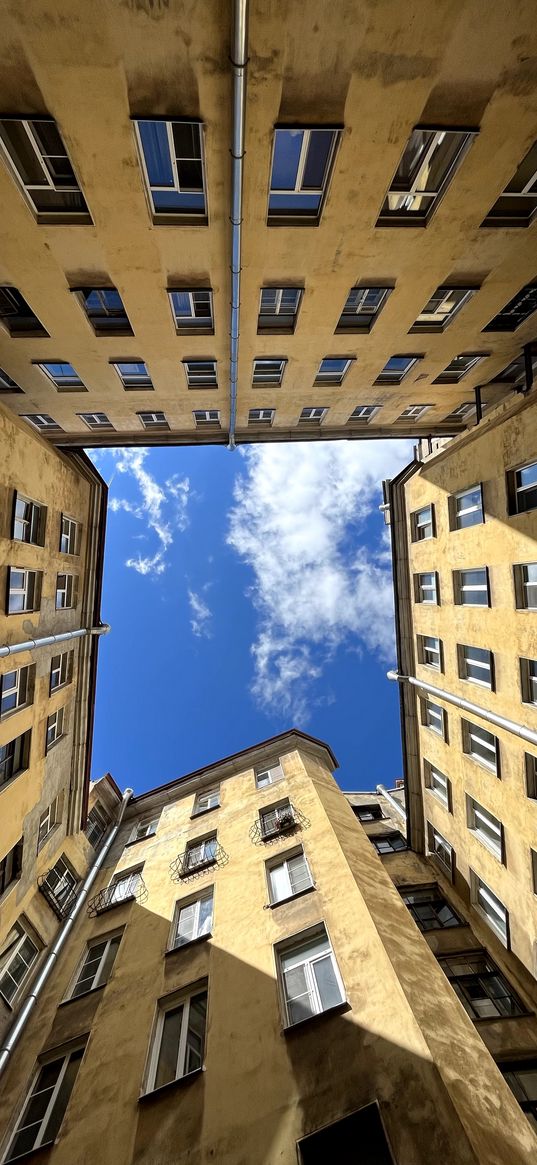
(170, 1086)
(202, 812)
(114, 905)
(83, 995)
(337, 1009)
(193, 942)
(290, 897)
(137, 840)
(494, 1018)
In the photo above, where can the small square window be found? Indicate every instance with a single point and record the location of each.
(104, 309)
(528, 677)
(302, 161)
(481, 745)
(29, 521)
(153, 420)
(278, 309)
(333, 369)
(261, 416)
(206, 418)
(525, 575)
(426, 587)
(268, 371)
(517, 205)
(442, 308)
(459, 367)
(62, 375)
(17, 316)
(471, 587)
(429, 162)
(396, 368)
(522, 488)
(441, 849)
(192, 311)
(43, 170)
(422, 524)
(362, 308)
(133, 374)
(96, 421)
(316, 414)
(519, 309)
(174, 169)
(200, 373)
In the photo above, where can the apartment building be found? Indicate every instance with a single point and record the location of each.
(464, 537)
(379, 257)
(243, 983)
(52, 517)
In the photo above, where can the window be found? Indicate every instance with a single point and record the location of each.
(362, 308)
(66, 591)
(41, 164)
(97, 965)
(302, 161)
(422, 524)
(42, 421)
(442, 308)
(519, 309)
(362, 414)
(517, 204)
(204, 417)
(192, 311)
(70, 536)
(15, 689)
(430, 651)
(44, 1109)
(105, 311)
(440, 849)
(531, 775)
(278, 309)
(316, 414)
(11, 867)
(29, 520)
(24, 590)
(261, 416)
(14, 757)
(201, 853)
(331, 1143)
(476, 664)
(96, 826)
(288, 876)
(460, 413)
(396, 368)
(487, 904)
(333, 369)
(521, 1076)
(96, 420)
(7, 384)
(433, 716)
(277, 819)
(133, 374)
(200, 373)
(179, 1040)
(269, 775)
(49, 819)
(471, 587)
(153, 420)
(174, 168)
(528, 679)
(268, 371)
(366, 813)
(124, 886)
(466, 508)
(61, 670)
(413, 412)
(17, 316)
(459, 367)
(485, 826)
(388, 843)
(309, 976)
(525, 575)
(439, 784)
(522, 488)
(62, 375)
(55, 728)
(429, 908)
(426, 589)
(481, 745)
(59, 886)
(209, 799)
(429, 162)
(193, 919)
(515, 372)
(480, 986)
(17, 958)
(144, 829)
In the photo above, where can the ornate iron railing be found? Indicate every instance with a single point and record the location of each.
(60, 899)
(126, 890)
(278, 822)
(185, 867)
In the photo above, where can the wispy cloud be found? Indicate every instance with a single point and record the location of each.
(164, 508)
(201, 615)
(298, 521)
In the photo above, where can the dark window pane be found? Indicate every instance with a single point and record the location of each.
(317, 160)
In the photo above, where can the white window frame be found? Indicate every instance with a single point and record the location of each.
(133, 380)
(122, 878)
(155, 420)
(98, 978)
(430, 651)
(471, 731)
(197, 379)
(321, 191)
(70, 532)
(141, 830)
(282, 863)
(68, 881)
(273, 773)
(66, 593)
(276, 378)
(96, 825)
(439, 319)
(56, 728)
(63, 669)
(390, 375)
(194, 901)
(413, 412)
(359, 309)
(71, 382)
(428, 200)
(181, 323)
(176, 213)
(441, 849)
(21, 688)
(313, 413)
(489, 906)
(96, 420)
(514, 491)
(27, 187)
(207, 799)
(528, 680)
(333, 377)
(206, 417)
(41, 421)
(278, 307)
(364, 414)
(29, 590)
(484, 669)
(436, 723)
(16, 940)
(261, 416)
(294, 944)
(422, 589)
(454, 375)
(437, 784)
(523, 586)
(41, 1137)
(419, 523)
(171, 1003)
(485, 826)
(459, 511)
(34, 525)
(202, 848)
(460, 413)
(49, 819)
(461, 588)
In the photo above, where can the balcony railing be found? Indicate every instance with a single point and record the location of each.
(59, 896)
(275, 823)
(190, 865)
(131, 889)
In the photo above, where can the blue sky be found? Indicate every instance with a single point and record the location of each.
(248, 592)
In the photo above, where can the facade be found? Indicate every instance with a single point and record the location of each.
(52, 515)
(244, 983)
(385, 218)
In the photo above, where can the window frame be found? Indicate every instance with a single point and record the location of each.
(488, 972)
(168, 1003)
(363, 414)
(460, 588)
(333, 378)
(264, 416)
(206, 420)
(424, 650)
(455, 512)
(71, 530)
(69, 382)
(206, 325)
(198, 379)
(69, 590)
(474, 810)
(464, 662)
(123, 325)
(385, 376)
(436, 895)
(31, 590)
(97, 825)
(23, 686)
(522, 585)
(206, 794)
(426, 702)
(97, 423)
(363, 322)
(34, 418)
(11, 868)
(453, 376)
(436, 842)
(56, 728)
(13, 952)
(54, 1056)
(98, 980)
(416, 525)
(261, 771)
(24, 322)
(268, 379)
(143, 829)
(528, 681)
(203, 844)
(269, 322)
(444, 290)
(305, 419)
(288, 216)
(514, 491)
(530, 769)
(21, 753)
(52, 815)
(133, 381)
(36, 523)
(398, 217)
(440, 788)
(158, 422)
(525, 196)
(508, 318)
(81, 216)
(119, 877)
(502, 930)
(196, 900)
(434, 588)
(169, 217)
(295, 943)
(282, 860)
(66, 671)
(388, 837)
(491, 767)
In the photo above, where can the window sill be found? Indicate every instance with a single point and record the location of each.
(114, 905)
(202, 812)
(337, 1009)
(83, 995)
(494, 1018)
(200, 868)
(170, 1087)
(290, 898)
(137, 840)
(193, 942)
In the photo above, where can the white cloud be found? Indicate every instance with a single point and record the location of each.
(164, 508)
(298, 522)
(201, 615)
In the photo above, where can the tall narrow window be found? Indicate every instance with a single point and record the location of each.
(19, 955)
(429, 908)
(61, 670)
(442, 308)
(192, 311)
(44, 1109)
(485, 826)
(471, 587)
(63, 376)
(174, 169)
(97, 965)
(278, 309)
(49, 819)
(422, 524)
(24, 590)
(302, 161)
(525, 574)
(521, 1076)
(531, 775)
(105, 311)
(362, 308)
(11, 867)
(17, 316)
(438, 783)
(42, 167)
(59, 886)
(433, 716)
(522, 488)
(96, 826)
(70, 535)
(193, 919)
(440, 849)
(179, 1041)
(288, 876)
(55, 728)
(517, 206)
(66, 591)
(29, 521)
(481, 745)
(309, 976)
(490, 907)
(16, 689)
(315, 415)
(14, 757)
(427, 166)
(519, 309)
(426, 589)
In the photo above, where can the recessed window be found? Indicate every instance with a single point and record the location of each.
(363, 414)
(366, 813)
(11, 867)
(96, 421)
(522, 488)
(471, 587)
(288, 875)
(362, 307)
(333, 369)
(268, 371)
(531, 775)
(528, 678)
(17, 961)
(396, 368)
(44, 1108)
(519, 309)
(105, 311)
(14, 757)
(433, 716)
(302, 161)
(49, 819)
(153, 420)
(124, 886)
(315, 414)
(422, 524)
(278, 309)
(174, 169)
(192, 311)
(277, 819)
(59, 887)
(331, 1143)
(426, 588)
(63, 376)
(66, 591)
(430, 651)
(61, 670)
(7, 384)
(525, 575)
(459, 367)
(268, 775)
(442, 308)
(460, 413)
(23, 590)
(97, 965)
(96, 826)
(178, 1043)
(42, 167)
(132, 374)
(144, 829)
(440, 849)
(485, 826)
(193, 919)
(200, 373)
(515, 371)
(481, 745)
(42, 422)
(261, 416)
(388, 843)
(17, 316)
(480, 986)
(466, 508)
(429, 162)
(476, 664)
(16, 689)
(29, 521)
(521, 1076)
(413, 412)
(70, 535)
(487, 904)
(309, 976)
(517, 205)
(201, 853)
(429, 908)
(208, 799)
(55, 728)
(206, 418)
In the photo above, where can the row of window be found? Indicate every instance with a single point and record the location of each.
(29, 521)
(483, 899)
(466, 508)
(475, 665)
(471, 587)
(24, 589)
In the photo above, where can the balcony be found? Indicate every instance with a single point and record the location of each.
(60, 895)
(131, 889)
(196, 860)
(275, 823)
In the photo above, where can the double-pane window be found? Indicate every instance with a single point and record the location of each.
(442, 308)
(201, 853)
(96, 826)
(179, 1040)
(426, 587)
(316, 414)
(124, 886)
(96, 420)
(438, 783)
(60, 884)
(174, 168)
(333, 369)
(310, 977)
(288, 876)
(471, 587)
(66, 591)
(430, 651)
(466, 508)
(61, 667)
(62, 374)
(55, 728)
(480, 986)
(476, 664)
(209, 799)
(528, 675)
(433, 716)
(521, 1076)
(362, 414)
(531, 775)
(490, 907)
(277, 820)
(261, 416)
(17, 958)
(97, 965)
(193, 919)
(105, 311)
(205, 417)
(480, 744)
(522, 488)
(14, 757)
(525, 574)
(301, 164)
(388, 843)
(201, 373)
(153, 420)
(15, 689)
(429, 908)
(42, 422)
(485, 826)
(44, 1110)
(42, 166)
(278, 309)
(428, 164)
(192, 310)
(24, 590)
(268, 371)
(70, 535)
(362, 307)
(29, 520)
(268, 775)
(366, 813)
(422, 524)
(457, 368)
(517, 205)
(413, 412)
(396, 368)
(440, 849)
(50, 817)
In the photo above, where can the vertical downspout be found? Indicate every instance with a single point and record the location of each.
(239, 38)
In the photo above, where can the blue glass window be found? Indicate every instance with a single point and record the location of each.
(301, 164)
(63, 375)
(173, 158)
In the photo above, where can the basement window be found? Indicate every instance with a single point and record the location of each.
(302, 161)
(174, 169)
(41, 166)
(428, 165)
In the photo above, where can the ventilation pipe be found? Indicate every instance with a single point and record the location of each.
(50, 640)
(492, 717)
(13, 1035)
(239, 37)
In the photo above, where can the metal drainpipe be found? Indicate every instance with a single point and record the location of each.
(239, 62)
(391, 801)
(491, 717)
(20, 1022)
(48, 640)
